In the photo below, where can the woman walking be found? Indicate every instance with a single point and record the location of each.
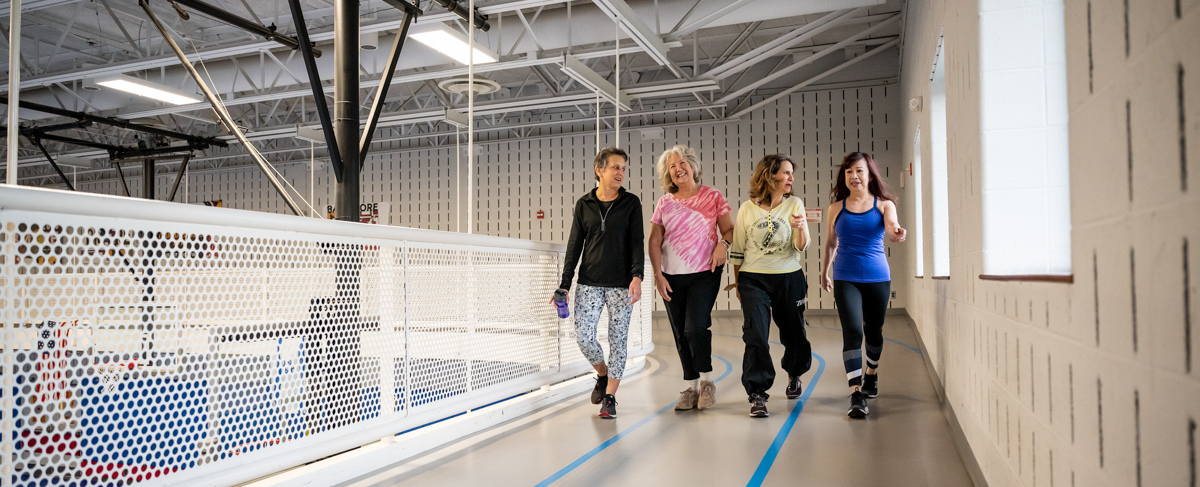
(689, 243)
(768, 238)
(606, 231)
(862, 211)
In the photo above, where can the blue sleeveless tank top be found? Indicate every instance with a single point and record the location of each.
(860, 256)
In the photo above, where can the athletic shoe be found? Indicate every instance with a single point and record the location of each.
(758, 406)
(795, 387)
(608, 409)
(870, 385)
(858, 406)
(600, 389)
(708, 394)
(687, 400)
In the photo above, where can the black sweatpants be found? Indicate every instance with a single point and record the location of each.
(690, 314)
(861, 307)
(764, 295)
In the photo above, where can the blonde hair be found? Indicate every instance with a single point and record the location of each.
(762, 183)
(685, 153)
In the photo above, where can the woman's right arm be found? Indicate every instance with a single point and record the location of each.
(657, 232)
(737, 253)
(830, 246)
(574, 247)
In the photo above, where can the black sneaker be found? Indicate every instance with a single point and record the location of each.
(858, 406)
(608, 409)
(758, 406)
(794, 387)
(600, 389)
(870, 385)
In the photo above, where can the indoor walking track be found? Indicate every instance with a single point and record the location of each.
(906, 440)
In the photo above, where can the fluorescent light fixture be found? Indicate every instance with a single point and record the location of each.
(593, 81)
(457, 119)
(312, 133)
(147, 89)
(449, 42)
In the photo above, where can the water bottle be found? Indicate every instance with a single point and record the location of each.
(560, 302)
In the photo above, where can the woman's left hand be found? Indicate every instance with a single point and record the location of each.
(635, 290)
(719, 256)
(899, 234)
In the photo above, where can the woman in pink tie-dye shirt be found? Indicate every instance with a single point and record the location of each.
(689, 244)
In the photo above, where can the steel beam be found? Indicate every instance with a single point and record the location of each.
(121, 176)
(116, 122)
(179, 176)
(220, 109)
(643, 35)
(708, 19)
(314, 80)
(345, 107)
(377, 104)
(804, 32)
(14, 83)
(268, 33)
(57, 169)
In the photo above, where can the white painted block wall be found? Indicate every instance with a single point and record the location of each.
(1089, 383)
(515, 179)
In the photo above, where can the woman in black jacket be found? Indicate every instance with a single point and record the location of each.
(606, 230)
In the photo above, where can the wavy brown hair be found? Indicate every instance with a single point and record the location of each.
(876, 186)
(762, 183)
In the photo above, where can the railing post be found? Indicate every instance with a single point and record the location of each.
(407, 344)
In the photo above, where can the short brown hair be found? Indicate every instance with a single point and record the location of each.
(602, 158)
(762, 183)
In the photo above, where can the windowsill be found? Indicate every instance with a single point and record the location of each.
(941, 278)
(1063, 279)
(919, 277)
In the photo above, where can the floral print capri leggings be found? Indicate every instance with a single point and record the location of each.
(589, 301)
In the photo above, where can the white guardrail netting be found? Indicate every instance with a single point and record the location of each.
(159, 343)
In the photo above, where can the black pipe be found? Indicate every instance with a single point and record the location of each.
(82, 124)
(121, 176)
(345, 106)
(57, 169)
(314, 80)
(459, 8)
(58, 138)
(128, 153)
(268, 33)
(381, 93)
(116, 122)
(179, 177)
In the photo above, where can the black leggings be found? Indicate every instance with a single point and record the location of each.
(861, 307)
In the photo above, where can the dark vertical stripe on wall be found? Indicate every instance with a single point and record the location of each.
(1129, 144)
(1091, 64)
(1137, 434)
(1071, 385)
(1096, 295)
(1183, 174)
(1133, 299)
(1192, 450)
(1187, 310)
(1126, 28)
(1100, 418)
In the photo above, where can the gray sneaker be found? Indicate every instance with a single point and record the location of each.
(687, 400)
(708, 394)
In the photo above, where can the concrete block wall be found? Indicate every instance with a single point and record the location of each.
(514, 179)
(1091, 383)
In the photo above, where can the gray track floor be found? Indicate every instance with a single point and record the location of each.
(904, 442)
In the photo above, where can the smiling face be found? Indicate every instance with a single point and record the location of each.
(613, 173)
(784, 179)
(858, 177)
(682, 173)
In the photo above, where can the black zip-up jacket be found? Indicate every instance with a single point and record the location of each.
(612, 257)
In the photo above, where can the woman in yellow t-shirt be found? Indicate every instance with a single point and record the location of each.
(770, 233)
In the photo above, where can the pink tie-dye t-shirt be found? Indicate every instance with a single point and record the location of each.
(691, 229)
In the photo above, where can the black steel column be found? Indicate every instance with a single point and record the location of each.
(345, 109)
(148, 178)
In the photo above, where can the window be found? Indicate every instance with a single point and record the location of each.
(1023, 117)
(940, 174)
(918, 207)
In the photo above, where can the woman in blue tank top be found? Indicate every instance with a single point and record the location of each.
(861, 213)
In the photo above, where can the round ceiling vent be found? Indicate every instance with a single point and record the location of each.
(482, 86)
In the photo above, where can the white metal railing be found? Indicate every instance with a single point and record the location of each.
(159, 343)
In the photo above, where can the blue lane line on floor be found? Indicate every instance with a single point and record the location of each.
(768, 459)
(588, 456)
(897, 342)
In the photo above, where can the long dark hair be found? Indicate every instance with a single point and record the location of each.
(876, 185)
(762, 182)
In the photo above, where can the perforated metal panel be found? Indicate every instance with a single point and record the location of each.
(152, 349)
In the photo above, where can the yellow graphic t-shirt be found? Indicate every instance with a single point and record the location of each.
(763, 241)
